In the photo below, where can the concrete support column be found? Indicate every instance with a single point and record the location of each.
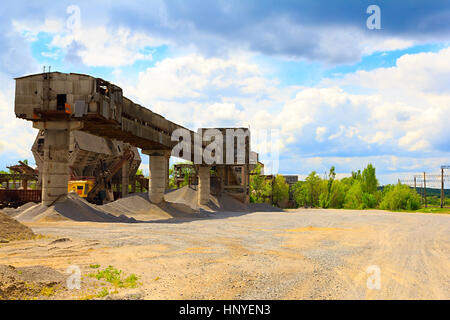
(125, 179)
(55, 173)
(167, 168)
(221, 174)
(203, 185)
(157, 183)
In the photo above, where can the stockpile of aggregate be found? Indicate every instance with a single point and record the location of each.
(11, 229)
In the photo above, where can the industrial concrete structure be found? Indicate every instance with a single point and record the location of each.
(59, 103)
(85, 153)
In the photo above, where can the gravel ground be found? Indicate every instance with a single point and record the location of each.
(298, 254)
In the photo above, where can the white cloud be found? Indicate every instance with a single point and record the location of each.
(205, 92)
(320, 133)
(95, 45)
(16, 135)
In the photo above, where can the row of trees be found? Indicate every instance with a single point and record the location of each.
(359, 191)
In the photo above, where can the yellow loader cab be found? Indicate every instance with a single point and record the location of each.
(82, 187)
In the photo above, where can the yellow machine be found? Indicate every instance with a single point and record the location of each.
(82, 187)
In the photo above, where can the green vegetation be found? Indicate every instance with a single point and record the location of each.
(434, 210)
(359, 191)
(264, 190)
(260, 188)
(115, 277)
(280, 190)
(186, 172)
(400, 197)
(103, 293)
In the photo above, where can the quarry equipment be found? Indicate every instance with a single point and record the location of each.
(102, 189)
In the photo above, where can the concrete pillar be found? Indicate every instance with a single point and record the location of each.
(203, 185)
(221, 174)
(167, 168)
(125, 179)
(55, 173)
(157, 183)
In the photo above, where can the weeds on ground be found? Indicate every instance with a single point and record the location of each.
(116, 278)
(434, 210)
(47, 291)
(103, 293)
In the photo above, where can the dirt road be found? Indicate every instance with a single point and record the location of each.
(299, 254)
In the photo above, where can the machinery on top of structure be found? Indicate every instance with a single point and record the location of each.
(59, 103)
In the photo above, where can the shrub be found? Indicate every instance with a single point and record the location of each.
(368, 200)
(400, 197)
(280, 190)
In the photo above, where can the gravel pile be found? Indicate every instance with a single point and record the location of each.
(72, 208)
(10, 229)
(180, 203)
(28, 282)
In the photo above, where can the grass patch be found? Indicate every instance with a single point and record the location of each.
(116, 278)
(103, 293)
(434, 210)
(94, 266)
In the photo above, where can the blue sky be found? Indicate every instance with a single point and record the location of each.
(338, 93)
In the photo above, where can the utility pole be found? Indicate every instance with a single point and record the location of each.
(415, 184)
(425, 188)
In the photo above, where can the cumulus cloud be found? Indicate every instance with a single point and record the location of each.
(92, 45)
(400, 115)
(324, 31)
(16, 136)
(204, 92)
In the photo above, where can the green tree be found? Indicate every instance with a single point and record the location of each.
(307, 193)
(280, 190)
(369, 180)
(353, 197)
(337, 195)
(260, 188)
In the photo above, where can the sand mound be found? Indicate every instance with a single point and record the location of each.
(28, 282)
(10, 229)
